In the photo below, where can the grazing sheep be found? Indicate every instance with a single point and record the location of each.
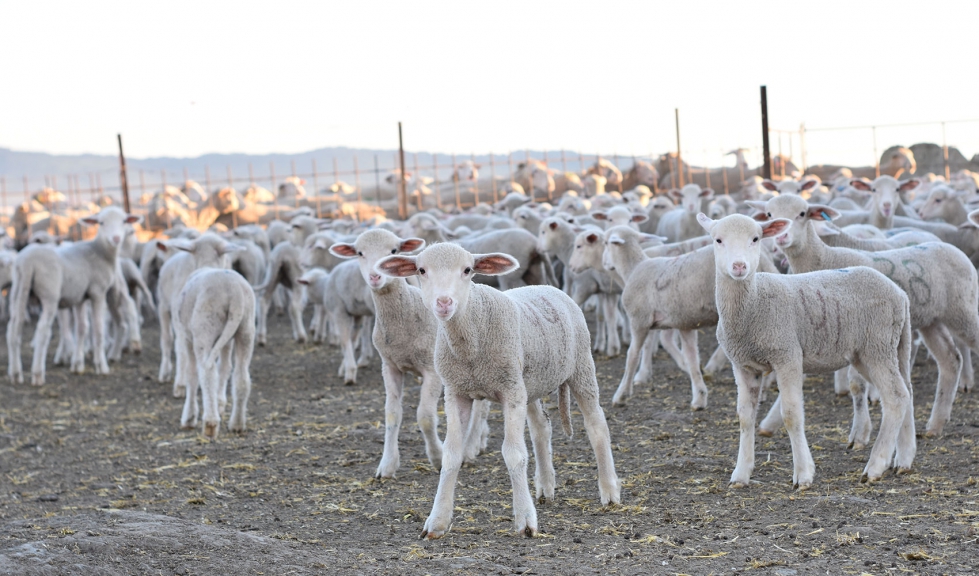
(67, 276)
(215, 319)
(510, 347)
(815, 322)
(939, 280)
(681, 223)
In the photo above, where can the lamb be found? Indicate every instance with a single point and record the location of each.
(215, 318)
(814, 322)
(885, 202)
(681, 223)
(655, 210)
(208, 251)
(944, 204)
(404, 335)
(514, 348)
(347, 300)
(620, 215)
(672, 291)
(67, 276)
(521, 245)
(940, 281)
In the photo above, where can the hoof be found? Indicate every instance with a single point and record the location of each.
(211, 430)
(528, 532)
(766, 433)
(843, 394)
(801, 487)
(866, 479)
(903, 471)
(188, 426)
(737, 485)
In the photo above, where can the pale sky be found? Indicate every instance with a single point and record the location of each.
(187, 78)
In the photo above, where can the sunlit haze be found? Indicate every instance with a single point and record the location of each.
(187, 78)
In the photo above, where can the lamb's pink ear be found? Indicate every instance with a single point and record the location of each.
(591, 238)
(652, 238)
(775, 227)
(861, 184)
(808, 184)
(411, 244)
(707, 193)
(552, 225)
(675, 194)
(303, 281)
(820, 212)
(639, 218)
(974, 217)
(161, 246)
(769, 185)
(599, 215)
(397, 266)
(908, 185)
(705, 221)
(760, 217)
(182, 244)
(495, 264)
(91, 219)
(343, 250)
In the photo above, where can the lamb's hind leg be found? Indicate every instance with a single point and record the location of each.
(639, 331)
(540, 437)
(42, 337)
(242, 386)
(717, 361)
(793, 413)
(81, 328)
(296, 304)
(478, 435)
(942, 346)
(584, 387)
(967, 375)
(862, 426)
(428, 417)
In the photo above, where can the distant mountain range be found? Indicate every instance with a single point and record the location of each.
(38, 167)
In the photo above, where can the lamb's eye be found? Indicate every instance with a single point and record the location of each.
(361, 254)
(421, 271)
(801, 214)
(755, 239)
(938, 200)
(769, 214)
(393, 250)
(467, 270)
(718, 240)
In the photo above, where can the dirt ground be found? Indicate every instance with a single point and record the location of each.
(97, 478)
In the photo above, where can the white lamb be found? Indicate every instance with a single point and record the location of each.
(510, 347)
(681, 223)
(215, 319)
(816, 322)
(67, 276)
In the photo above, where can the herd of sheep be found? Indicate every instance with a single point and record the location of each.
(799, 276)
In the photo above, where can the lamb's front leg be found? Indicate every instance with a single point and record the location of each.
(428, 417)
(81, 327)
(458, 410)
(749, 390)
(515, 456)
(394, 392)
(98, 335)
(793, 413)
(540, 437)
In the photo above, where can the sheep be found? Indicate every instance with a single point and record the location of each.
(670, 291)
(67, 276)
(814, 322)
(940, 281)
(607, 333)
(520, 244)
(620, 215)
(944, 204)
(681, 223)
(593, 185)
(214, 318)
(886, 202)
(655, 210)
(512, 201)
(404, 335)
(208, 251)
(347, 300)
(514, 348)
(642, 173)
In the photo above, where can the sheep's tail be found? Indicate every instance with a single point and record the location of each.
(141, 285)
(548, 268)
(269, 275)
(231, 325)
(564, 407)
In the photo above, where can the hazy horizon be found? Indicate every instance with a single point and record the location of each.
(185, 79)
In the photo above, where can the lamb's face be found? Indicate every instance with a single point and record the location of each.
(445, 274)
(661, 205)
(588, 251)
(936, 199)
(790, 207)
(690, 197)
(615, 240)
(112, 224)
(370, 248)
(738, 242)
(314, 245)
(885, 191)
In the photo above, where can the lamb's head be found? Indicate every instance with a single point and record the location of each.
(789, 186)
(589, 248)
(594, 185)
(548, 239)
(467, 171)
(621, 238)
(660, 205)
(796, 210)
(292, 187)
(208, 251)
(937, 196)
(738, 241)
(316, 251)
(573, 205)
(445, 274)
(645, 173)
(620, 216)
(312, 276)
(691, 196)
(885, 191)
(638, 195)
(302, 227)
(112, 224)
(370, 247)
